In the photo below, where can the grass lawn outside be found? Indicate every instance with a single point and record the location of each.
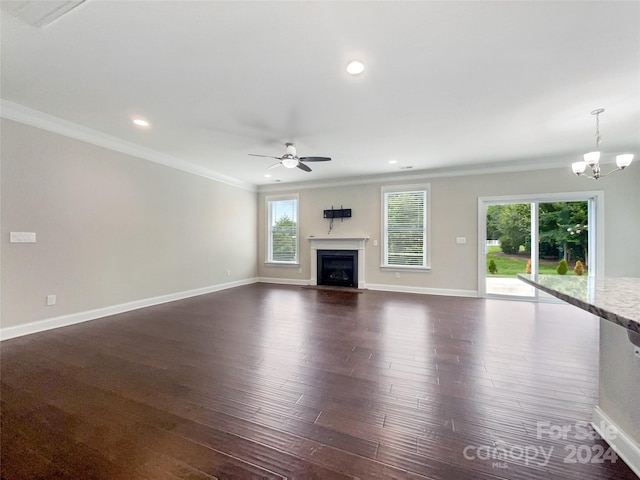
(511, 265)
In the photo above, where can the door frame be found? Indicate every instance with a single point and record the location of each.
(595, 222)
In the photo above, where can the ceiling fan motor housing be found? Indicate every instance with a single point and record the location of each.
(291, 150)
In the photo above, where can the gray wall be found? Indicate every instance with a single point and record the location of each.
(111, 228)
(454, 214)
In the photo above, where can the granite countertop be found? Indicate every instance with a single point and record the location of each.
(616, 299)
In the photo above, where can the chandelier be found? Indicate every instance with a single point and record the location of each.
(592, 159)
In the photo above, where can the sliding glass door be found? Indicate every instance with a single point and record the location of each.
(551, 234)
(508, 248)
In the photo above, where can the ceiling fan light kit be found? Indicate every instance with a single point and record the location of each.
(289, 162)
(291, 159)
(592, 159)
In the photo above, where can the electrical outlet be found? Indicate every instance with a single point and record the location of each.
(228, 273)
(397, 274)
(51, 299)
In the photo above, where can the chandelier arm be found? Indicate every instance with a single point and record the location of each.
(612, 171)
(599, 175)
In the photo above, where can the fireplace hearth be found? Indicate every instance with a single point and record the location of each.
(338, 268)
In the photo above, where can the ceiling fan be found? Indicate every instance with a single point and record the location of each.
(291, 160)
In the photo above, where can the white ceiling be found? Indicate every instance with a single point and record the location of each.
(447, 85)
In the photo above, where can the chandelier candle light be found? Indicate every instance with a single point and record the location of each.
(592, 159)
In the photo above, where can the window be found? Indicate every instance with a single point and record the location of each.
(282, 229)
(405, 227)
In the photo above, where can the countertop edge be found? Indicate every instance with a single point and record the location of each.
(613, 317)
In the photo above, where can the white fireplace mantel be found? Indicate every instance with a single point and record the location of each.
(337, 243)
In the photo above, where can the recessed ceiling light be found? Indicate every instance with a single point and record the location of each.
(140, 122)
(355, 68)
(267, 175)
(393, 162)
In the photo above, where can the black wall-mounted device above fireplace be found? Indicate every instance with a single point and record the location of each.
(337, 213)
(340, 213)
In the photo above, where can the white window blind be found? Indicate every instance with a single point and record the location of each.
(405, 228)
(282, 217)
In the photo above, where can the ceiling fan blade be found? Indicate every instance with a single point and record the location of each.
(274, 165)
(265, 156)
(304, 167)
(315, 159)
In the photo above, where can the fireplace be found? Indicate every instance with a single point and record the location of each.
(338, 245)
(338, 268)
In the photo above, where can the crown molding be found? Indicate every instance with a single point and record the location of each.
(486, 169)
(28, 116)
(35, 118)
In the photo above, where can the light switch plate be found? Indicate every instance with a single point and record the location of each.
(22, 237)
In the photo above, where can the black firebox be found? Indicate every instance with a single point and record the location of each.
(338, 268)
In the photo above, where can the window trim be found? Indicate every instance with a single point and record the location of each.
(268, 242)
(420, 187)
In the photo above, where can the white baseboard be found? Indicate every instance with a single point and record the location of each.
(71, 319)
(621, 443)
(66, 320)
(284, 281)
(448, 292)
(385, 288)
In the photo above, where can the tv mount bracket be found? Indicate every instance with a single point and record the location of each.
(340, 213)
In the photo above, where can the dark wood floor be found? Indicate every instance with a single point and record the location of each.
(267, 381)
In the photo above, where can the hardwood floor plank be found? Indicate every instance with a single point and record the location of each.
(268, 381)
(19, 456)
